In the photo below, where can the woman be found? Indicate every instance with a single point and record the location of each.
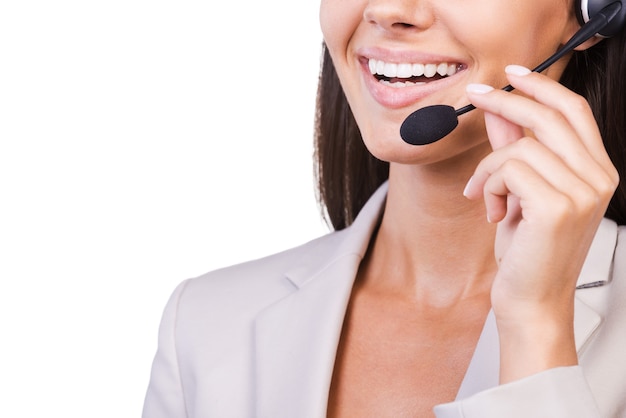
(405, 309)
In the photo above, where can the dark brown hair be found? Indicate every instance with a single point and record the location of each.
(599, 75)
(347, 174)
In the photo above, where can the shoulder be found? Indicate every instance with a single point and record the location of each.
(263, 276)
(207, 333)
(212, 317)
(258, 283)
(239, 292)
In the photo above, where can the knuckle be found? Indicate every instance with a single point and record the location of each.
(607, 186)
(511, 167)
(614, 179)
(588, 200)
(562, 206)
(526, 146)
(578, 104)
(526, 142)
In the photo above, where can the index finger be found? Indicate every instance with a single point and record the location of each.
(572, 106)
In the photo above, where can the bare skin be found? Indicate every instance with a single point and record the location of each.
(399, 356)
(414, 318)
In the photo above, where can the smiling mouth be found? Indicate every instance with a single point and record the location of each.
(411, 74)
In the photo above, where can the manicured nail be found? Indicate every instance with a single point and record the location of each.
(478, 88)
(467, 186)
(516, 70)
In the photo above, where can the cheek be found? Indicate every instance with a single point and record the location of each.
(512, 32)
(325, 16)
(339, 20)
(327, 8)
(330, 17)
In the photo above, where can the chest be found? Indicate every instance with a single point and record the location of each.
(393, 361)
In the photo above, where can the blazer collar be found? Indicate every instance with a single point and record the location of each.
(599, 262)
(353, 240)
(297, 337)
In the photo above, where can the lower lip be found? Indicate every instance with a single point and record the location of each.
(398, 97)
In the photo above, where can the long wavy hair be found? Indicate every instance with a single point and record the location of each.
(347, 173)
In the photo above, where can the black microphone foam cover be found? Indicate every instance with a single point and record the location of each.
(428, 124)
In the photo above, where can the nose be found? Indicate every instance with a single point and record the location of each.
(399, 16)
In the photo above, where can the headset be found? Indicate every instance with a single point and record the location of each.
(586, 9)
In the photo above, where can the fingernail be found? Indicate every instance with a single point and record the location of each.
(478, 88)
(467, 186)
(516, 70)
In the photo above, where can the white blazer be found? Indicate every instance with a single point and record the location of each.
(259, 339)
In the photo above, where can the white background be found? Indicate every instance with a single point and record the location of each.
(141, 143)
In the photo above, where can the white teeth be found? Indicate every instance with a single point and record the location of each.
(430, 70)
(407, 70)
(380, 67)
(391, 70)
(418, 70)
(400, 84)
(442, 69)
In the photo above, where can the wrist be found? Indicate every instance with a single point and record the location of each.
(534, 343)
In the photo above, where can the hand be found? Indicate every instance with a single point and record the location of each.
(547, 184)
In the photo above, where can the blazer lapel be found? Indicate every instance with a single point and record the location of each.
(591, 291)
(297, 337)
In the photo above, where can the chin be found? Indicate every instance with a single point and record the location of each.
(393, 149)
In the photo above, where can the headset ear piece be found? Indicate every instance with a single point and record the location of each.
(586, 9)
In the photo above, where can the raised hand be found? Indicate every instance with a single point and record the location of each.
(547, 184)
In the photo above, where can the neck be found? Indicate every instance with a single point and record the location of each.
(437, 245)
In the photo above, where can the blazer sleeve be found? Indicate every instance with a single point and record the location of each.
(165, 396)
(556, 393)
